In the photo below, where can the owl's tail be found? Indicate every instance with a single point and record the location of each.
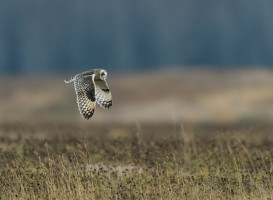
(70, 80)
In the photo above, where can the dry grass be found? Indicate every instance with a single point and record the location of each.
(224, 151)
(135, 162)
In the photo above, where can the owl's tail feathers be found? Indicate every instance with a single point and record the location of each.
(70, 80)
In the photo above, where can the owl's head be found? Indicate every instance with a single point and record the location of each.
(103, 74)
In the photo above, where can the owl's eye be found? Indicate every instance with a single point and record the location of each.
(103, 73)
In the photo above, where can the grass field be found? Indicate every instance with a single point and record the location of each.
(136, 162)
(211, 140)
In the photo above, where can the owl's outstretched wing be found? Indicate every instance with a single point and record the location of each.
(85, 92)
(103, 94)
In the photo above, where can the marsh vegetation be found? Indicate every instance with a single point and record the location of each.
(203, 134)
(136, 161)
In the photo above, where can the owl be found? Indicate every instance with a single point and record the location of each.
(91, 88)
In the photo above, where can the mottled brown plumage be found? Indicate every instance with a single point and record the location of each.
(91, 88)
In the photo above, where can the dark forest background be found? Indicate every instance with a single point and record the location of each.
(56, 36)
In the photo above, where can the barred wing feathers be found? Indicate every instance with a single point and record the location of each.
(85, 92)
(103, 94)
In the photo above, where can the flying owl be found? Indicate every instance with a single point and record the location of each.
(91, 88)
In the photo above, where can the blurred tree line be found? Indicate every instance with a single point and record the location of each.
(56, 36)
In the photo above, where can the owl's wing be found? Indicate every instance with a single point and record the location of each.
(103, 94)
(85, 92)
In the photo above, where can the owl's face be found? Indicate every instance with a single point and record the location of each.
(103, 74)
